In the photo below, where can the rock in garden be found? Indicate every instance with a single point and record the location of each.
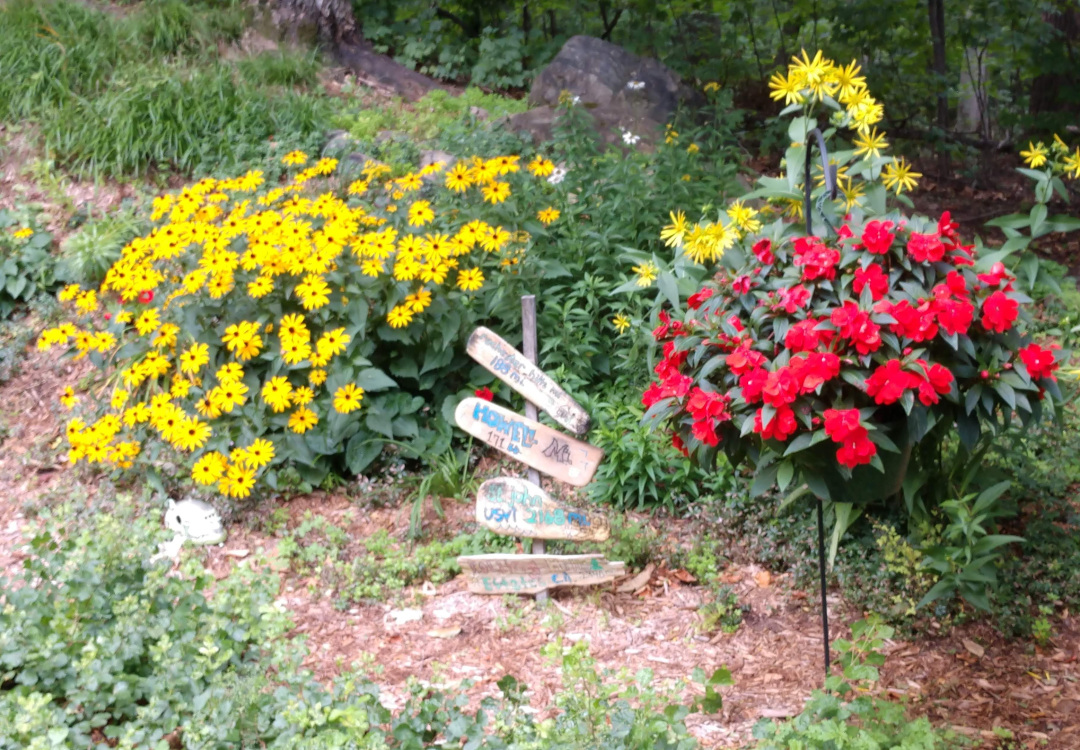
(619, 88)
(195, 521)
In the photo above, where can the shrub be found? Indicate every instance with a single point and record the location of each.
(26, 266)
(840, 364)
(253, 323)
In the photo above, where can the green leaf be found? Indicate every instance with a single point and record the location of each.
(374, 379)
(1038, 216)
(379, 421)
(784, 475)
(845, 516)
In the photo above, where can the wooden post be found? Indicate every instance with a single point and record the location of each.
(528, 346)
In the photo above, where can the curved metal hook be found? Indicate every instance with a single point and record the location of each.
(808, 185)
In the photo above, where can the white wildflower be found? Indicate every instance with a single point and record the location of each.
(557, 176)
(629, 138)
(635, 85)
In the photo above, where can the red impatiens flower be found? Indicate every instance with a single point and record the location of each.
(818, 261)
(998, 273)
(814, 369)
(763, 251)
(856, 450)
(872, 276)
(889, 382)
(485, 393)
(925, 248)
(698, 298)
(877, 238)
(1040, 363)
(999, 312)
(954, 315)
(915, 323)
(938, 382)
(781, 387)
(794, 298)
(780, 427)
(708, 405)
(678, 444)
(802, 337)
(839, 423)
(855, 325)
(753, 383)
(744, 359)
(146, 297)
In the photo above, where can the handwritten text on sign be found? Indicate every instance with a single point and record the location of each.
(517, 507)
(550, 451)
(510, 366)
(531, 574)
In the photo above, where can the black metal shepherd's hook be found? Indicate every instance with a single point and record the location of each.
(830, 191)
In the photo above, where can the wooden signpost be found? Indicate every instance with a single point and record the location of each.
(531, 574)
(511, 366)
(557, 455)
(517, 507)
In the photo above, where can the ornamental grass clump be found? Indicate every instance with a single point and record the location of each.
(824, 361)
(253, 326)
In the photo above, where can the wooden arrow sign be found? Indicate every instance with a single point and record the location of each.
(517, 507)
(511, 366)
(557, 455)
(531, 574)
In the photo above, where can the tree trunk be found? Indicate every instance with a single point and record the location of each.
(1050, 90)
(936, 9)
(332, 24)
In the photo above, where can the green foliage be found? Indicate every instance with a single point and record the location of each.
(641, 469)
(965, 560)
(27, 267)
(190, 120)
(839, 720)
(149, 91)
(96, 638)
(438, 116)
(373, 568)
(88, 253)
(449, 475)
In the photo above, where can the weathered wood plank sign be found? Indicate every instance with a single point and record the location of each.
(531, 574)
(514, 369)
(517, 507)
(550, 451)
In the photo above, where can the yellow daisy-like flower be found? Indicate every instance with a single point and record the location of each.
(1036, 154)
(621, 323)
(22, 234)
(420, 213)
(147, 322)
(851, 190)
(870, 143)
(541, 167)
(209, 468)
(259, 454)
(260, 287)
(744, 217)
(458, 178)
(646, 273)
(496, 192)
(399, 317)
(303, 396)
(787, 89)
(548, 215)
(277, 393)
(469, 279)
(419, 301)
(230, 372)
(1071, 164)
(347, 398)
(68, 398)
(333, 342)
(899, 176)
(294, 159)
(191, 434)
(293, 326)
(711, 86)
(302, 420)
(848, 81)
(194, 358)
(237, 482)
(672, 234)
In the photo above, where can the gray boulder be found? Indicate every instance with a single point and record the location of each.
(605, 76)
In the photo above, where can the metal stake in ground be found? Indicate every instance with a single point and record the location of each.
(528, 348)
(830, 190)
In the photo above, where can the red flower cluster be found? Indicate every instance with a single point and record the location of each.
(881, 315)
(845, 428)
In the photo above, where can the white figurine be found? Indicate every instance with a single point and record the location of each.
(195, 521)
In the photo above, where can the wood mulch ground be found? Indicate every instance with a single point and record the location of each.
(970, 678)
